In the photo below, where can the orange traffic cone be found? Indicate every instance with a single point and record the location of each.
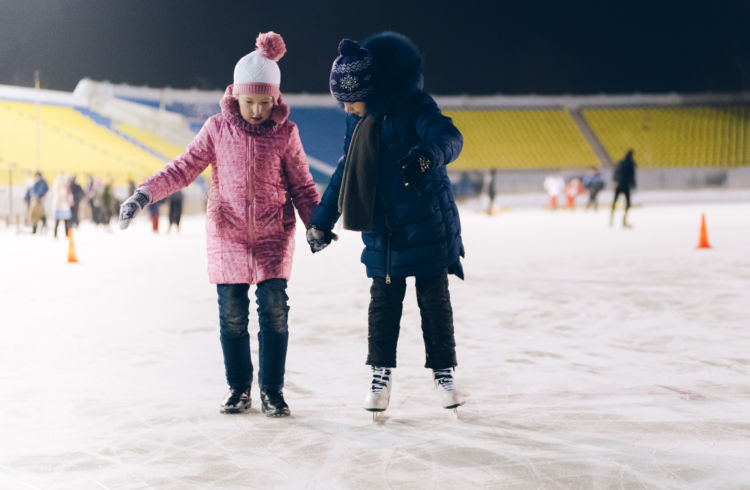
(703, 240)
(71, 247)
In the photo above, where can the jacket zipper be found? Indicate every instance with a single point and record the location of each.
(388, 259)
(388, 245)
(251, 206)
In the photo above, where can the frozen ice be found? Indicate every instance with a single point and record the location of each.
(590, 356)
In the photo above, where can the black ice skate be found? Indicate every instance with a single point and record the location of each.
(450, 395)
(273, 404)
(236, 401)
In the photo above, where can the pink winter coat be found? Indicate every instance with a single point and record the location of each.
(259, 174)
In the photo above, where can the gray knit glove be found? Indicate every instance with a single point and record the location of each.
(133, 205)
(319, 239)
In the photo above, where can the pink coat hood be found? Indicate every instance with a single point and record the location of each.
(259, 174)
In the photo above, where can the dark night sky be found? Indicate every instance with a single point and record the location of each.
(472, 47)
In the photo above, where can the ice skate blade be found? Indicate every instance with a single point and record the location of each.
(454, 405)
(233, 411)
(378, 416)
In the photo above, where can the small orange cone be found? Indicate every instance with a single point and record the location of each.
(703, 240)
(71, 248)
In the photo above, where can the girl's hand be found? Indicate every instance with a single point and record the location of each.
(133, 205)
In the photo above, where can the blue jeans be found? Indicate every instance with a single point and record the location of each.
(273, 336)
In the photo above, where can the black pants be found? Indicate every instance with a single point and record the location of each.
(592, 199)
(386, 305)
(626, 192)
(67, 225)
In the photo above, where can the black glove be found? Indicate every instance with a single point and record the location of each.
(133, 205)
(319, 239)
(414, 166)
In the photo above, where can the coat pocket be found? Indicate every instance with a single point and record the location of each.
(225, 221)
(269, 211)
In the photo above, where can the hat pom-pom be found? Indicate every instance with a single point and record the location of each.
(348, 47)
(270, 45)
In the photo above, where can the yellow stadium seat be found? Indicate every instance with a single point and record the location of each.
(520, 139)
(675, 137)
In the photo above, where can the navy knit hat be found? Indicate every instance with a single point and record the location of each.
(352, 73)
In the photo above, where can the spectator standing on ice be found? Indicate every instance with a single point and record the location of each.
(93, 194)
(624, 177)
(554, 185)
(259, 174)
(77, 191)
(175, 210)
(62, 200)
(490, 178)
(131, 185)
(153, 213)
(593, 183)
(107, 208)
(573, 189)
(392, 185)
(35, 202)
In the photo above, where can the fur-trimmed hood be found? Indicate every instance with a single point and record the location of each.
(230, 109)
(398, 70)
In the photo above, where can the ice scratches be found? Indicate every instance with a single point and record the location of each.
(9, 481)
(685, 394)
(542, 354)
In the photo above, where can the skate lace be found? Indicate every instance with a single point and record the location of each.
(444, 379)
(380, 378)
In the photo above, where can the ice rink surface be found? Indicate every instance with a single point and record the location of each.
(591, 357)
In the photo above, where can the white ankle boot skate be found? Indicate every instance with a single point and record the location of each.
(380, 390)
(450, 395)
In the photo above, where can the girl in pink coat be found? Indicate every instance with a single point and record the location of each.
(259, 174)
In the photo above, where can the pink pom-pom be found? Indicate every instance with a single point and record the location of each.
(270, 45)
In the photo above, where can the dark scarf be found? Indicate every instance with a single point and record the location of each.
(360, 179)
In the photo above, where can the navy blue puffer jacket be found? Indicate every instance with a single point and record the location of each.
(415, 230)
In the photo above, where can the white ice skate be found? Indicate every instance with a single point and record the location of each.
(450, 395)
(379, 395)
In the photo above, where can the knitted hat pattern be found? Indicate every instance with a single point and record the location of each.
(258, 72)
(352, 73)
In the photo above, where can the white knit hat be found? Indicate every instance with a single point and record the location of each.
(257, 72)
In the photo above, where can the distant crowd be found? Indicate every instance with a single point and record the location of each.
(69, 203)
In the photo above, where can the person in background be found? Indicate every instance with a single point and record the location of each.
(77, 191)
(554, 185)
(35, 202)
(131, 185)
(62, 201)
(593, 183)
(624, 177)
(573, 189)
(490, 178)
(259, 175)
(153, 213)
(175, 210)
(93, 194)
(392, 185)
(107, 208)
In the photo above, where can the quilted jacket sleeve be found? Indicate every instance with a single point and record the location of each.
(184, 169)
(327, 212)
(439, 137)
